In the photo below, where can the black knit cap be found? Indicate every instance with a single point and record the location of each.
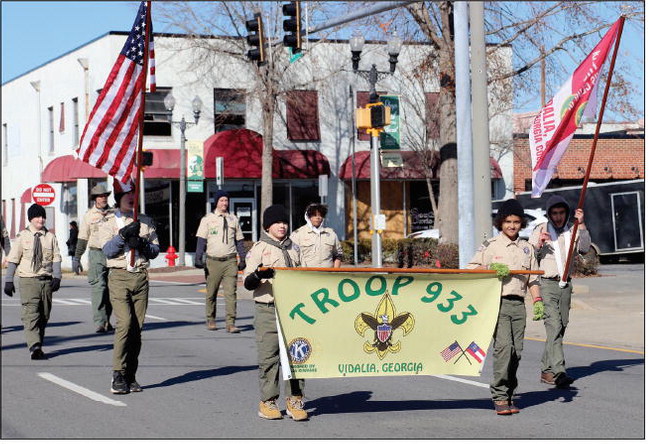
(511, 207)
(220, 194)
(273, 214)
(35, 211)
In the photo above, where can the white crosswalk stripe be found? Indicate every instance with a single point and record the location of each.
(152, 301)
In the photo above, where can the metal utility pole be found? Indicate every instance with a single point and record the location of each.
(464, 141)
(480, 124)
(375, 184)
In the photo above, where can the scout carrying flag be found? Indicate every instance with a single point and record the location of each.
(554, 126)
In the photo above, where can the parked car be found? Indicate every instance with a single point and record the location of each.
(534, 217)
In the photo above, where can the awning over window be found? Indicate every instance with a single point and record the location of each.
(26, 196)
(241, 151)
(68, 168)
(414, 167)
(166, 165)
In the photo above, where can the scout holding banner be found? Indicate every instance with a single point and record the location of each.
(355, 323)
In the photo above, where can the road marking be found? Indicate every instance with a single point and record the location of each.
(186, 301)
(81, 301)
(81, 390)
(155, 317)
(464, 381)
(601, 347)
(64, 302)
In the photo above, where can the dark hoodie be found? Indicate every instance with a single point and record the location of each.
(557, 201)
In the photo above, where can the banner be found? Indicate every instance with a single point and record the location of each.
(195, 166)
(350, 324)
(554, 126)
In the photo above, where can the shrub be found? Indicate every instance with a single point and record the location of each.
(586, 264)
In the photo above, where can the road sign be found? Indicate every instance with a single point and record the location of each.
(43, 194)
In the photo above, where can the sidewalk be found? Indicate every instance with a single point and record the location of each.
(606, 311)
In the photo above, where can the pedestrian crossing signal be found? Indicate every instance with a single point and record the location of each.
(373, 116)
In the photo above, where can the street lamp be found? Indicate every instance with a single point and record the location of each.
(197, 104)
(373, 75)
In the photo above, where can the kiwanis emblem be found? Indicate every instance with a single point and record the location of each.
(299, 349)
(384, 323)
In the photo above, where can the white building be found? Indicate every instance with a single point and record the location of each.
(44, 112)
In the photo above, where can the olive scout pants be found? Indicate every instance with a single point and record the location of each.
(129, 294)
(98, 280)
(217, 272)
(36, 300)
(508, 347)
(268, 355)
(556, 302)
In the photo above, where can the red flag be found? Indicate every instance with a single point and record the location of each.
(554, 126)
(109, 139)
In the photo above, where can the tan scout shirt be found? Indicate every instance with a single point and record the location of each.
(22, 251)
(517, 255)
(317, 249)
(269, 256)
(212, 227)
(546, 254)
(109, 229)
(89, 229)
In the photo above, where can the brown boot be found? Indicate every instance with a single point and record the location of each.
(211, 325)
(547, 378)
(502, 407)
(512, 408)
(232, 329)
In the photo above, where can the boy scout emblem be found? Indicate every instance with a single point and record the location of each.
(383, 323)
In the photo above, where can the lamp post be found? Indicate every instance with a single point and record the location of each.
(373, 75)
(197, 104)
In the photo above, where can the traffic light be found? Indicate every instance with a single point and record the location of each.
(292, 26)
(374, 115)
(147, 158)
(255, 39)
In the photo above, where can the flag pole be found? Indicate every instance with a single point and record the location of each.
(582, 195)
(140, 136)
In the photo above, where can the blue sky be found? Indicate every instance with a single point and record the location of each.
(35, 32)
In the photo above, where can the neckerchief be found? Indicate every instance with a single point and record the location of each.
(555, 233)
(37, 254)
(314, 229)
(224, 238)
(283, 245)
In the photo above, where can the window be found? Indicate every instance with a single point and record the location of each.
(75, 122)
(229, 109)
(5, 145)
(362, 99)
(62, 119)
(50, 115)
(302, 120)
(156, 120)
(432, 115)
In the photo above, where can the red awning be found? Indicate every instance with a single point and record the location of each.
(241, 151)
(413, 167)
(68, 169)
(166, 164)
(27, 196)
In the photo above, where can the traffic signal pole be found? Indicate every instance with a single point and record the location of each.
(375, 185)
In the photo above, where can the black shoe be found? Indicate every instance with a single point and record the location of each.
(134, 386)
(100, 329)
(562, 380)
(37, 354)
(118, 384)
(108, 327)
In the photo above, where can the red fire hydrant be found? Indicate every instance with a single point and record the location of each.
(171, 256)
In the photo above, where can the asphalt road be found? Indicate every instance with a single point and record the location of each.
(203, 384)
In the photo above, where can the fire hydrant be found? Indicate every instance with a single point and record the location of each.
(171, 256)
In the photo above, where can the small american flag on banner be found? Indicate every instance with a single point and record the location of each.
(109, 139)
(452, 350)
(475, 351)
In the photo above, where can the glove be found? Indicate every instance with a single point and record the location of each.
(502, 270)
(199, 262)
(538, 310)
(268, 273)
(76, 265)
(133, 242)
(10, 289)
(55, 284)
(242, 265)
(142, 244)
(131, 230)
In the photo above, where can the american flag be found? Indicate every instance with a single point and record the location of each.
(151, 61)
(475, 351)
(109, 140)
(450, 351)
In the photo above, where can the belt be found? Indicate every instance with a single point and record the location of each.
(556, 278)
(513, 297)
(95, 248)
(266, 304)
(43, 278)
(224, 258)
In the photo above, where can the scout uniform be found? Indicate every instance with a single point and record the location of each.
(510, 328)
(319, 247)
(271, 252)
(97, 269)
(556, 300)
(222, 235)
(36, 258)
(129, 291)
